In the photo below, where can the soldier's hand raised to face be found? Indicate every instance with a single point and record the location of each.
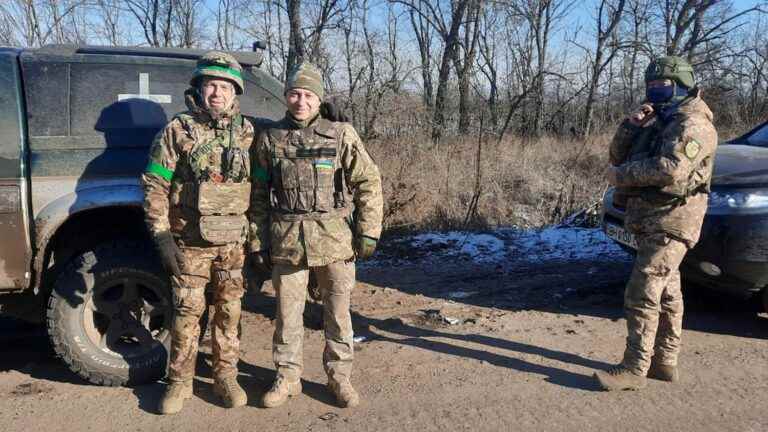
(642, 115)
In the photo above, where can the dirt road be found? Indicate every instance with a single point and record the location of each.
(456, 337)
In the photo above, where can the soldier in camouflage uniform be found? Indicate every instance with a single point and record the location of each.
(197, 191)
(662, 158)
(317, 205)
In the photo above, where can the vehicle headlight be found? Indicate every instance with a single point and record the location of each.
(751, 200)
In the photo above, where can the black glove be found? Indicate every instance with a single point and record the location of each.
(331, 111)
(170, 255)
(262, 263)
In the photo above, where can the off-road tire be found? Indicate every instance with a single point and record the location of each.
(79, 287)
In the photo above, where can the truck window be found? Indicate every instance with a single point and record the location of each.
(47, 100)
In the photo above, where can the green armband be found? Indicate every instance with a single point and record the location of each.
(156, 168)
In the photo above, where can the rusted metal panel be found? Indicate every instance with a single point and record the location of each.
(15, 247)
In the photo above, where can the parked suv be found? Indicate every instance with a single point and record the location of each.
(75, 126)
(732, 253)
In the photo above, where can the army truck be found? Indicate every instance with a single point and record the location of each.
(76, 123)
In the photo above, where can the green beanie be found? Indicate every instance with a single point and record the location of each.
(305, 76)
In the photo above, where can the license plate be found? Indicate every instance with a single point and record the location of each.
(621, 235)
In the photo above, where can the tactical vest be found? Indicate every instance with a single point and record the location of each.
(307, 177)
(221, 187)
(648, 144)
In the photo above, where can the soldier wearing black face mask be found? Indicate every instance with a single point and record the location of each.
(661, 164)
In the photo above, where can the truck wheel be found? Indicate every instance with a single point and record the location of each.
(110, 313)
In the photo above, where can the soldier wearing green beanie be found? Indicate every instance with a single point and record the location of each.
(308, 77)
(661, 164)
(316, 205)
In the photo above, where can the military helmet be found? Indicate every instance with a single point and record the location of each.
(217, 64)
(671, 67)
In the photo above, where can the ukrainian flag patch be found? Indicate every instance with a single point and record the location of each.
(324, 164)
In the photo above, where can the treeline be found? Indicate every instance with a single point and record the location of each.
(521, 68)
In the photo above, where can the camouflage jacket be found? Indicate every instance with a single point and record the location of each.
(191, 150)
(665, 169)
(314, 189)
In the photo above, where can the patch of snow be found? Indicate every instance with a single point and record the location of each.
(564, 244)
(507, 246)
(477, 247)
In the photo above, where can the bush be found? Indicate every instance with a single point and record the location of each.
(524, 183)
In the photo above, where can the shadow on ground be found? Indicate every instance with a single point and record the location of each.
(593, 288)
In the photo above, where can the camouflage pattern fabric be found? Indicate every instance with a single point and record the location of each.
(336, 282)
(653, 303)
(306, 76)
(305, 184)
(195, 149)
(308, 178)
(220, 269)
(191, 149)
(665, 170)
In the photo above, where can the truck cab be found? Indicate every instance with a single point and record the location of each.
(76, 123)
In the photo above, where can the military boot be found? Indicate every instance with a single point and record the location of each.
(230, 391)
(620, 378)
(175, 394)
(663, 372)
(281, 390)
(345, 394)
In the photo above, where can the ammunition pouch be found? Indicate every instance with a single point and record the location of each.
(222, 208)
(308, 178)
(219, 230)
(223, 198)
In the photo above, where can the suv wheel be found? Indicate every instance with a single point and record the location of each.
(110, 313)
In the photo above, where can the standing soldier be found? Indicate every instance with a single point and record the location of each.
(662, 158)
(197, 191)
(317, 204)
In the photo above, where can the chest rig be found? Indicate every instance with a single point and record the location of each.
(649, 143)
(307, 174)
(220, 189)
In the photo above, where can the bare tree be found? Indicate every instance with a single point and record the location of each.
(186, 23)
(446, 18)
(464, 60)
(424, 35)
(295, 36)
(109, 22)
(609, 14)
(155, 18)
(488, 50)
(39, 22)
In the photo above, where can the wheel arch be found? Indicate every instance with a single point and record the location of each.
(80, 220)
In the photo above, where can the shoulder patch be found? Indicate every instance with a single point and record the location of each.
(692, 149)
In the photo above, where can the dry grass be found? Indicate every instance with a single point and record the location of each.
(523, 184)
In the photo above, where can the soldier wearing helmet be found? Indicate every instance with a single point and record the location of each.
(317, 206)
(197, 191)
(661, 164)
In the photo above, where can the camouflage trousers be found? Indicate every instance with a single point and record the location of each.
(653, 303)
(219, 267)
(336, 281)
